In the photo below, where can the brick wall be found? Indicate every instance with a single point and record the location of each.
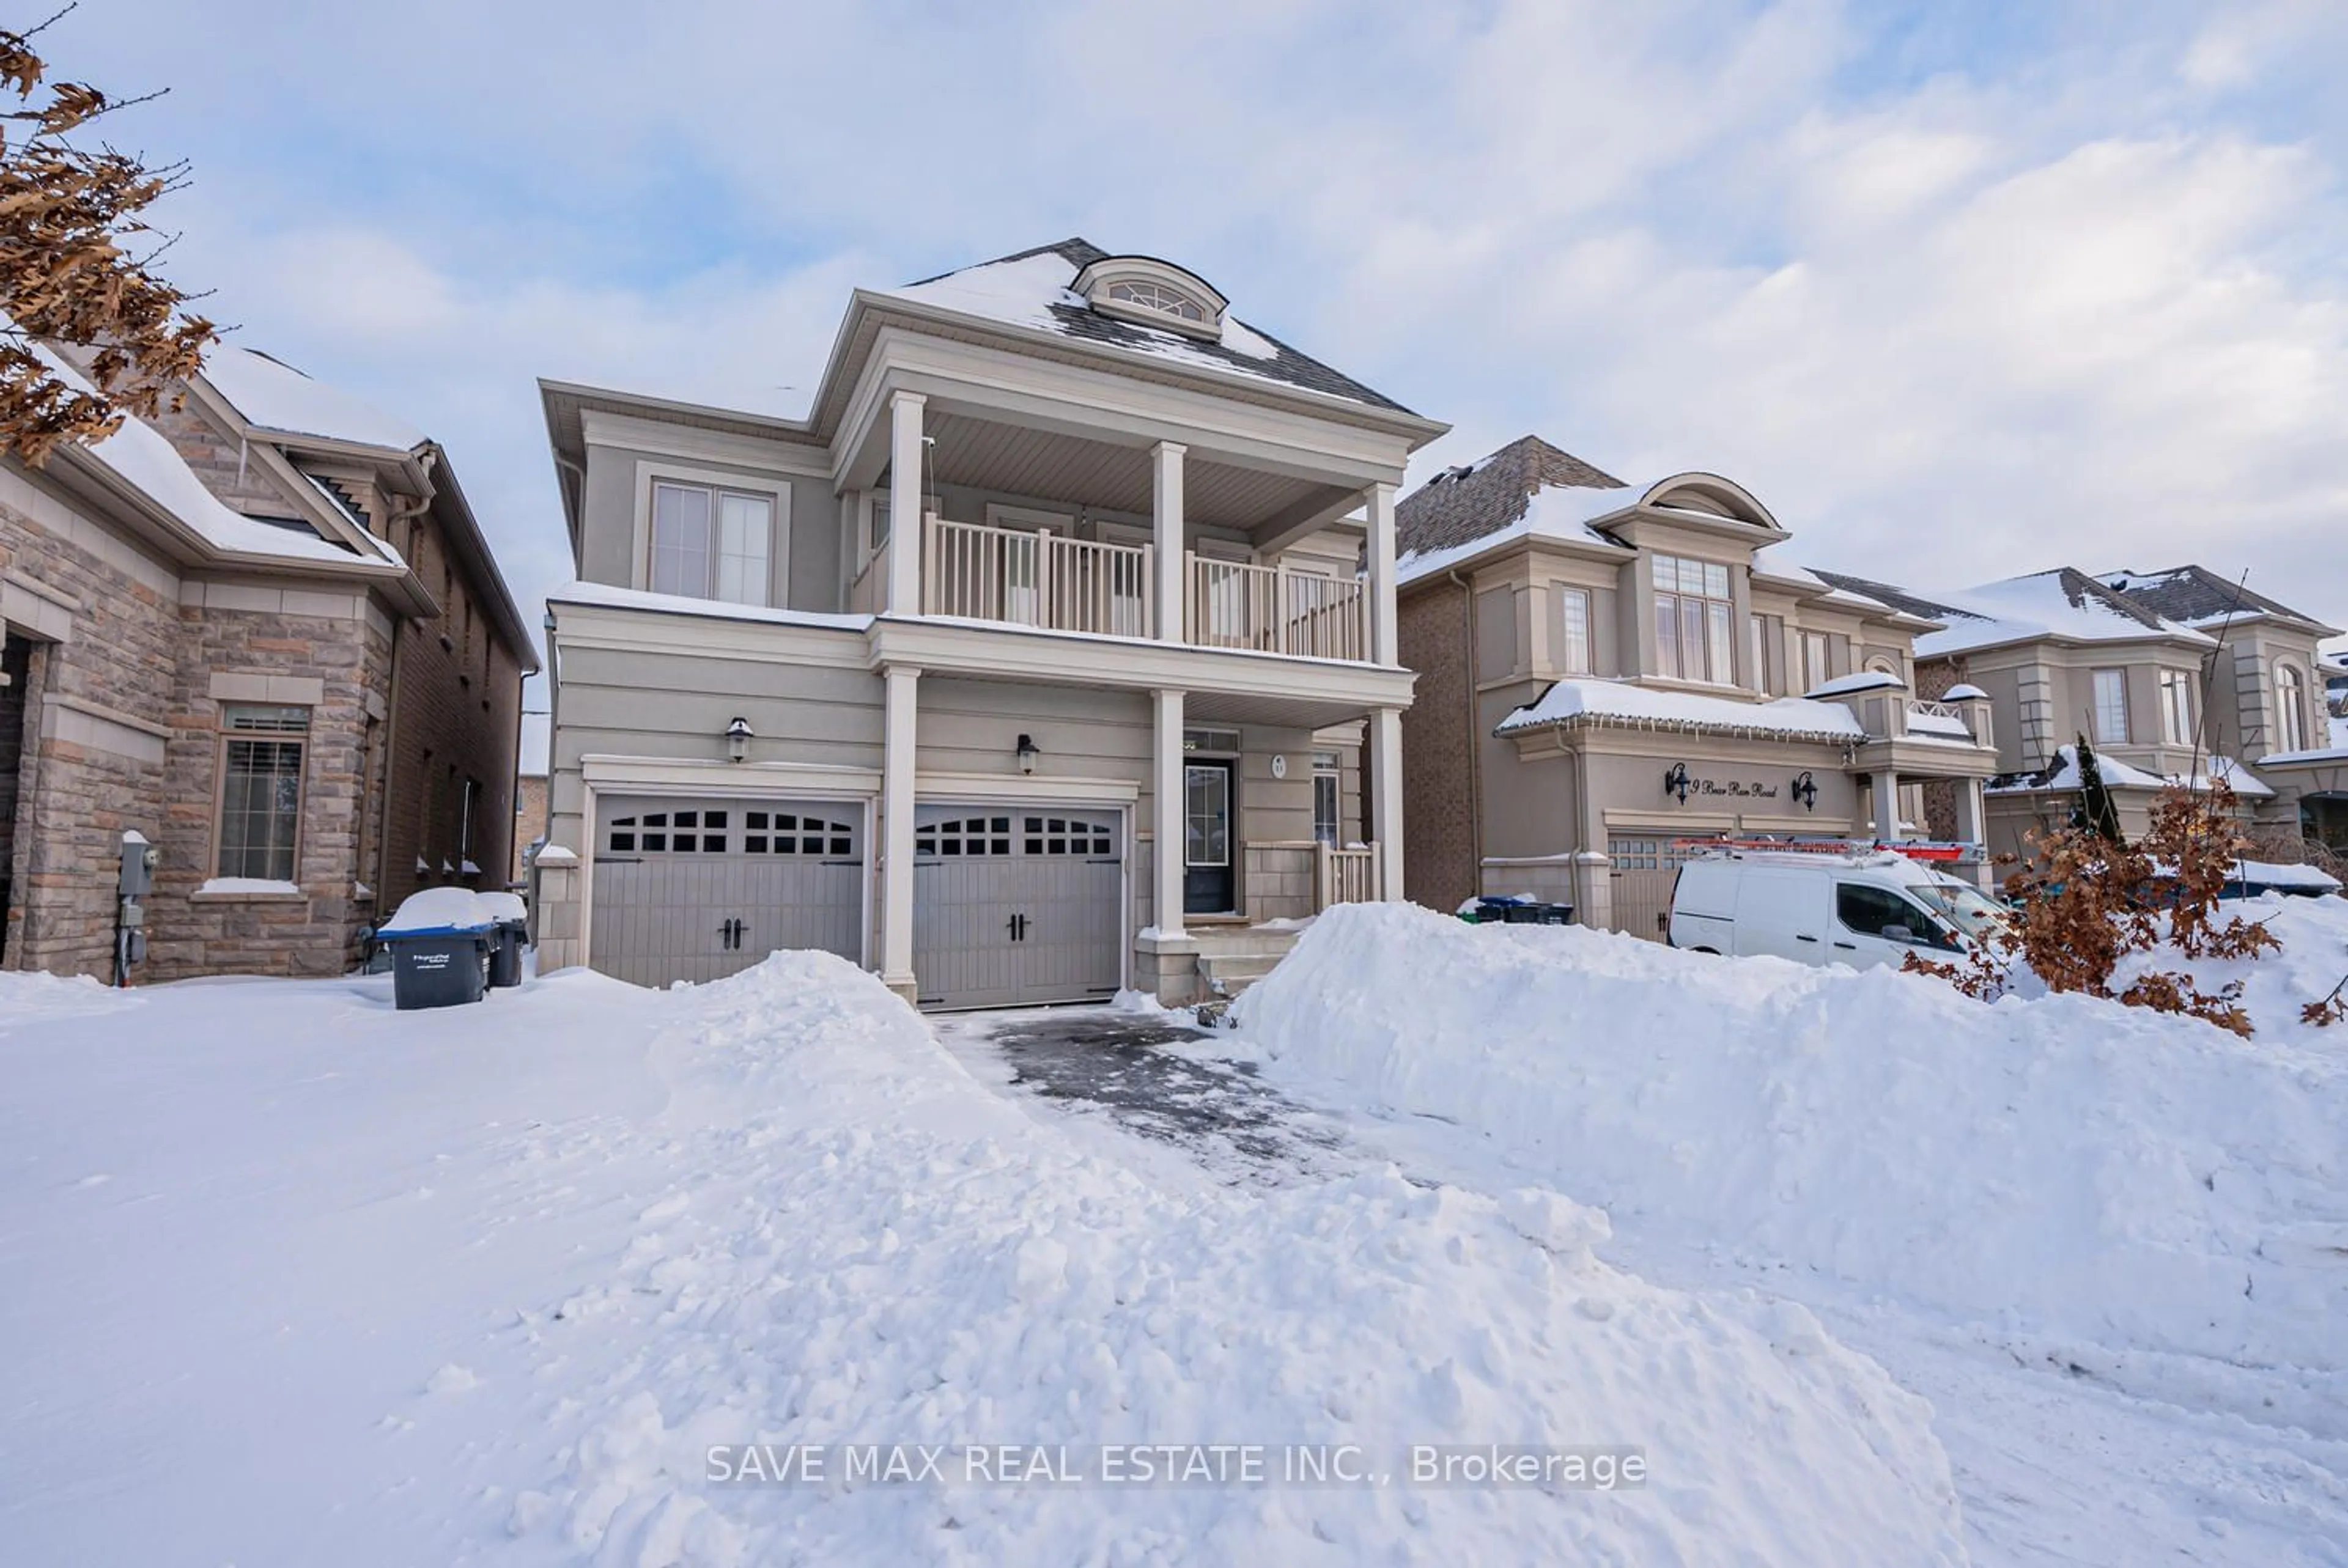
(459, 718)
(1440, 858)
(1934, 677)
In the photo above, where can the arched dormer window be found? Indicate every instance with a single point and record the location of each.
(1145, 290)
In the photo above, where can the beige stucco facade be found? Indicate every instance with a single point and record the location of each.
(1592, 808)
(1120, 570)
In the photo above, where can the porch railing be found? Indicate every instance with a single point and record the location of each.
(1269, 608)
(1036, 579)
(1344, 876)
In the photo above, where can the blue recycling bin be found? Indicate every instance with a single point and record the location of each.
(440, 942)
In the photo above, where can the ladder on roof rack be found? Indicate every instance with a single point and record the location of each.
(1943, 851)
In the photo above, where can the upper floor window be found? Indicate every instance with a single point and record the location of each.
(1573, 628)
(2111, 708)
(1156, 296)
(1817, 664)
(1693, 640)
(2291, 708)
(711, 543)
(2175, 707)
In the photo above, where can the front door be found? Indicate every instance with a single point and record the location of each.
(1208, 885)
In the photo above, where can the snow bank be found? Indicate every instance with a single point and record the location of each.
(864, 1244)
(2058, 1166)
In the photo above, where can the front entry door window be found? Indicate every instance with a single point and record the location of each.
(1207, 886)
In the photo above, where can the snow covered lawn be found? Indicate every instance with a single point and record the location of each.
(295, 1278)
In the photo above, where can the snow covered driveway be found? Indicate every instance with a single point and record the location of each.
(295, 1278)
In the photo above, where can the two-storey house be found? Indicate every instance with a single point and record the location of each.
(1612, 674)
(262, 634)
(1053, 652)
(2175, 676)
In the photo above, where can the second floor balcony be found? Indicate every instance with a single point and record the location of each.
(1048, 581)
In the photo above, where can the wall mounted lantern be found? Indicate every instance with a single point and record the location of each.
(1804, 789)
(738, 739)
(1675, 781)
(1027, 754)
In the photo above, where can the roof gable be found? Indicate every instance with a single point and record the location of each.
(2195, 596)
(1463, 504)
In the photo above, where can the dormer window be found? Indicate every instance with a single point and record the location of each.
(1152, 296)
(1152, 292)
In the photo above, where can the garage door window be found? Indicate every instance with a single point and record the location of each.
(669, 833)
(787, 833)
(1066, 835)
(966, 837)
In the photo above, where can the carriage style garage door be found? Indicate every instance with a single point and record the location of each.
(1017, 904)
(696, 889)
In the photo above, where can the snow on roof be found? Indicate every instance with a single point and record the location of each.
(274, 395)
(1963, 691)
(1795, 717)
(2059, 603)
(1858, 681)
(1556, 512)
(536, 745)
(599, 593)
(2064, 775)
(1032, 290)
(2336, 751)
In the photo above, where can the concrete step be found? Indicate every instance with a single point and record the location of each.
(1230, 967)
(1221, 939)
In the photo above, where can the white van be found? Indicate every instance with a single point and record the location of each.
(1814, 908)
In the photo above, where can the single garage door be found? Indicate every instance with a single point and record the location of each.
(696, 889)
(1017, 904)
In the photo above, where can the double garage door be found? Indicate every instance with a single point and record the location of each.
(1011, 903)
(696, 889)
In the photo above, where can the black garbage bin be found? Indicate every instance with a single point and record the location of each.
(440, 940)
(511, 934)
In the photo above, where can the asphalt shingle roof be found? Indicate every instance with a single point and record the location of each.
(1285, 364)
(1466, 503)
(2194, 595)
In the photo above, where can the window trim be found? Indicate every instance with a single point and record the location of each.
(1335, 777)
(225, 735)
(2176, 721)
(773, 490)
(1715, 622)
(1563, 656)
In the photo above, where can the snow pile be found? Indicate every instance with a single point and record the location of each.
(2054, 1166)
(439, 909)
(395, 1287)
(2275, 986)
(866, 1244)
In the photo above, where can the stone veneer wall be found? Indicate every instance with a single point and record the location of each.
(122, 728)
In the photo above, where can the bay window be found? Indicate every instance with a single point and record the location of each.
(2111, 708)
(2175, 707)
(1694, 618)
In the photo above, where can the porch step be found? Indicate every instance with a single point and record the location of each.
(1222, 968)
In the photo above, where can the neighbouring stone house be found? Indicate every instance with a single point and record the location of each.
(2171, 675)
(264, 633)
(1610, 674)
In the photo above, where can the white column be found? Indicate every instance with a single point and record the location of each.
(1973, 827)
(1385, 796)
(1380, 506)
(907, 503)
(1167, 861)
(1887, 804)
(1166, 518)
(896, 829)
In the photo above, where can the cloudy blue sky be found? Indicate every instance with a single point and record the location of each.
(1960, 290)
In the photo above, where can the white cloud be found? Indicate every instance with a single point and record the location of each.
(1953, 306)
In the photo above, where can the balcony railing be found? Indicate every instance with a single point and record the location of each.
(1040, 579)
(1944, 720)
(1054, 583)
(1344, 876)
(1234, 604)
